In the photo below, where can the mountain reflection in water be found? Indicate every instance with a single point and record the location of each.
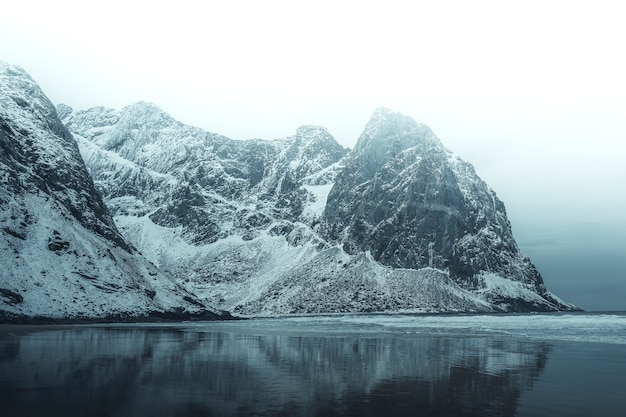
(173, 371)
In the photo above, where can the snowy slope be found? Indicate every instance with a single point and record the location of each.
(299, 225)
(61, 255)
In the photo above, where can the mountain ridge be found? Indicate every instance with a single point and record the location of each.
(132, 215)
(310, 206)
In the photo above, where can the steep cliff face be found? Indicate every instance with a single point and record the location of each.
(62, 255)
(302, 225)
(414, 204)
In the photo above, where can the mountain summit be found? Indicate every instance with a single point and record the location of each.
(413, 204)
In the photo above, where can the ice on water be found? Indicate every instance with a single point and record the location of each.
(579, 327)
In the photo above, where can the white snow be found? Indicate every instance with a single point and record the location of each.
(88, 275)
(499, 286)
(93, 279)
(315, 209)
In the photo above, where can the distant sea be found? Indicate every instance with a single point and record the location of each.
(560, 364)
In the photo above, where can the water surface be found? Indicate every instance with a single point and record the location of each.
(354, 365)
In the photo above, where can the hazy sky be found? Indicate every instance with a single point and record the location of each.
(532, 93)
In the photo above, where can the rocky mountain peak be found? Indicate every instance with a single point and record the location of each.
(411, 203)
(38, 145)
(62, 254)
(312, 140)
(310, 132)
(389, 135)
(103, 125)
(146, 112)
(64, 111)
(385, 116)
(22, 98)
(99, 119)
(388, 130)
(313, 147)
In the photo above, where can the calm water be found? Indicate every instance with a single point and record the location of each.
(357, 365)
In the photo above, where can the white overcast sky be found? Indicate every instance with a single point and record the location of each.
(533, 93)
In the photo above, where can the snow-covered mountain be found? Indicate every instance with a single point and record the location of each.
(413, 204)
(300, 224)
(61, 254)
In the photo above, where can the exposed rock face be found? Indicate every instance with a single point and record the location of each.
(212, 186)
(62, 255)
(301, 225)
(414, 204)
